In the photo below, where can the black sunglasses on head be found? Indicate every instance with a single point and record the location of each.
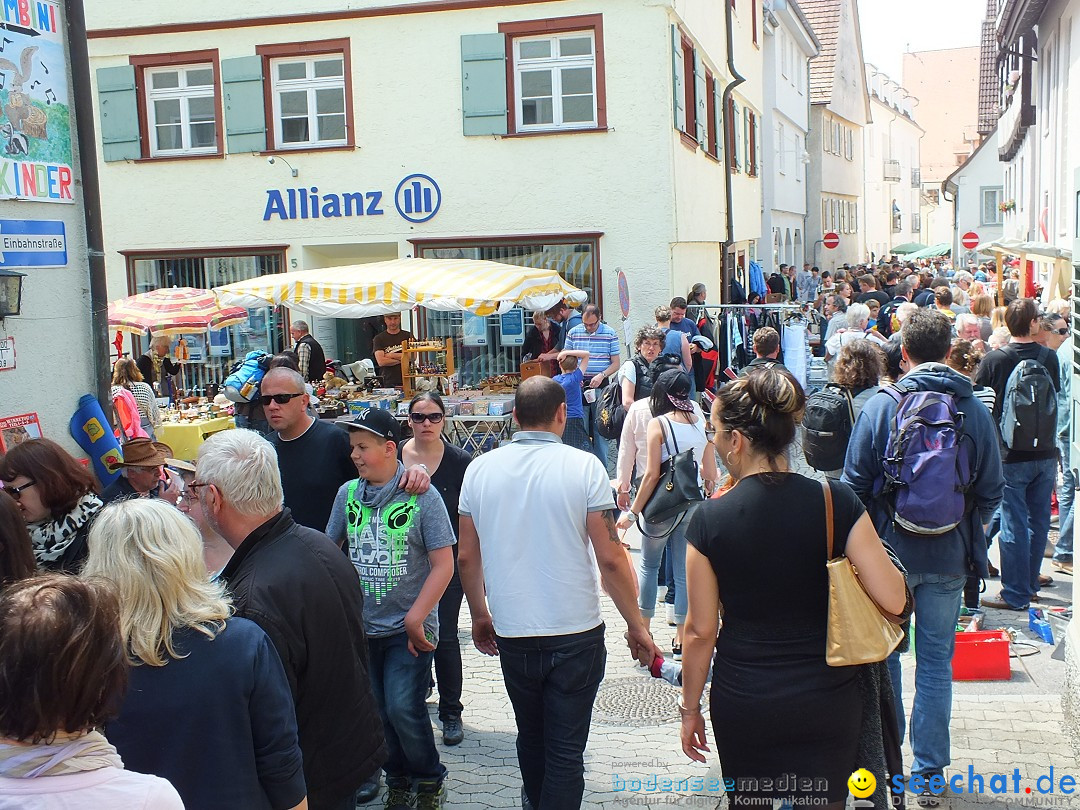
(280, 399)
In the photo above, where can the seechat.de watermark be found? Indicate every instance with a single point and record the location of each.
(1011, 784)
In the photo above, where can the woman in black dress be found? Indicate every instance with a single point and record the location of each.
(779, 712)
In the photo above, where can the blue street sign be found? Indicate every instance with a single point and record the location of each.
(32, 243)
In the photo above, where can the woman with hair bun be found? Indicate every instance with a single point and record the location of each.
(777, 708)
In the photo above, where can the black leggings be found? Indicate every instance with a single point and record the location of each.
(448, 651)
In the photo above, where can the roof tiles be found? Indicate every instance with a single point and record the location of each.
(824, 18)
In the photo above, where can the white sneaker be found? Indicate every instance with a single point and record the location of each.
(671, 615)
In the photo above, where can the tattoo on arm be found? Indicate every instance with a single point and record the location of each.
(609, 522)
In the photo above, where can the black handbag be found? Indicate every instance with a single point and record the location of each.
(676, 492)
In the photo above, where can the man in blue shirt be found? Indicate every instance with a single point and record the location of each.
(602, 344)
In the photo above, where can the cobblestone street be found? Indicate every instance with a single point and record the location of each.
(996, 727)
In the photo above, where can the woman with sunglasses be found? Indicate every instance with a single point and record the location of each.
(446, 464)
(58, 499)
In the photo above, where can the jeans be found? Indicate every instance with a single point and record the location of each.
(600, 445)
(552, 683)
(1066, 493)
(652, 550)
(400, 683)
(1025, 522)
(448, 653)
(936, 599)
(668, 575)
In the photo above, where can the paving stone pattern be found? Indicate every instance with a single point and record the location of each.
(996, 727)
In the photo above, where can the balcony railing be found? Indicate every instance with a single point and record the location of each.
(892, 171)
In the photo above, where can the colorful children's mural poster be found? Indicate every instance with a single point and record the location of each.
(35, 123)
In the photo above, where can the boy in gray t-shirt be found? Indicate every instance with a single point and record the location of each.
(401, 547)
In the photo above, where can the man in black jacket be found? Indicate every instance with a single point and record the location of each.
(298, 587)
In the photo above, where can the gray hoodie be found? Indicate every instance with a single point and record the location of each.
(389, 546)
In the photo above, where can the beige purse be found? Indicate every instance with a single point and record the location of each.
(859, 632)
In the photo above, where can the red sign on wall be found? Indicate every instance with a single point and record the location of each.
(831, 240)
(969, 240)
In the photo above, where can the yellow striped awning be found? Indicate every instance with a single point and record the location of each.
(376, 288)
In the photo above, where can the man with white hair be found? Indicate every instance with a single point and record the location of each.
(295, 583)
(858, 316)
(311, 358)
(968, 327)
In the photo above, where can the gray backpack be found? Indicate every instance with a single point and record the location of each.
(1029, 408)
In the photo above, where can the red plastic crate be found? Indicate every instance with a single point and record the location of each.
(981, 656)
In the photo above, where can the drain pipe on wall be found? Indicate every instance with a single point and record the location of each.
(728, 271)
(88, 171)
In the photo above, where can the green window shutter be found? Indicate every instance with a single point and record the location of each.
(118, 107)
(245, 111)
(718, 112)
(677, 79)
(483, 84)
(700, 101)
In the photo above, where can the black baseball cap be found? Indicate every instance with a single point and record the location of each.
(374, 420)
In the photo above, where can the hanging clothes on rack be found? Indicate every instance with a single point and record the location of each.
(756, 280)
(796, 351)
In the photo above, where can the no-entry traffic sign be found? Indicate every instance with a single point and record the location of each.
(831, 240)
(970, 240)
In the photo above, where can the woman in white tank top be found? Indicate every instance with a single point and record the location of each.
(682, 424)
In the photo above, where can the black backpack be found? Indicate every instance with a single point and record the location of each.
(610, 414)
(1029, 408)
(827, 424)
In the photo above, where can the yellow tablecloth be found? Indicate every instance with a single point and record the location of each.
(185, 438)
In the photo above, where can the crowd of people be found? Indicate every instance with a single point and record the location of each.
(315, 574)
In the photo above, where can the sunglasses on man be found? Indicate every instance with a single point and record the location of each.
(280, 399)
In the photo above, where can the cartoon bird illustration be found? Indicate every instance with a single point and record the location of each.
(24, 116)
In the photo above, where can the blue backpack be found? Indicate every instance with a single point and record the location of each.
(927, 466)
(242, 384)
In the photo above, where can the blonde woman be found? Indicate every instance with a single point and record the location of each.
(126, 374)
(208, 706)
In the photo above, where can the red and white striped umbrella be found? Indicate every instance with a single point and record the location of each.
(173, 310)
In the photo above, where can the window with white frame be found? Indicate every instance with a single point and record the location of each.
(555, 81)
(991, 199)
(309, 101)
(181, 110)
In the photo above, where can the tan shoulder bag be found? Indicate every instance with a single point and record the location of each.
(859, 632)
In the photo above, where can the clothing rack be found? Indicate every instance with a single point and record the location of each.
(733, 333)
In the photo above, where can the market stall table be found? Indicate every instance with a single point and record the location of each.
(476, 434)
(186, 437)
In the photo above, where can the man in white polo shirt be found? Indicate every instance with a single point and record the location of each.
(535, 523)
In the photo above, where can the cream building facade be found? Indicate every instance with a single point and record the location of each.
(840, 109)
(946, 82)
(583, 136)
(790, 44)
(891, 143)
